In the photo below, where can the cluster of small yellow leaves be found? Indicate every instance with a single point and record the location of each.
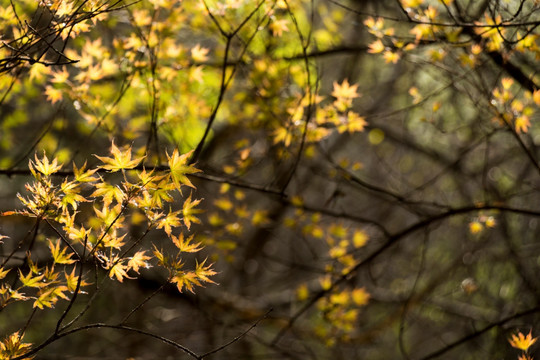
(425, 30)
(427, 15)
(342, 244)
(242, 158)
(184, 279)
(377, 28)
(498, 38)
(47, 284)
(477, 225)
(471, 55)
(494, 33)
(340, 308)
(286, 135)
(47, 197)
(384, 43)
(340, 311)
(12, 346)
(149, 196)
(528, 42)
(103, 235)
(231, 219)
(91, 84)
(336, 114)
(95, 63)
(7, 294)
(292, 130)
(18, 25)
(509, 108)
(188, 279)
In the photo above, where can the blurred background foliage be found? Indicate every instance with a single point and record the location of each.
(369, 170)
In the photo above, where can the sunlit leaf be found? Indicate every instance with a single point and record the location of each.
(59, 255)
(120, 160)
(179, 167)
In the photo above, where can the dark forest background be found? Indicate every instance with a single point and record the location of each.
(367, 173)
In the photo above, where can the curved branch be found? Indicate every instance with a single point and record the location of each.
(55, 337)
(393, 239)
(480, 332)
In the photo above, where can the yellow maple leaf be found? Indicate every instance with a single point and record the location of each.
(49, 297)
(111, 240)
(196, 74)
(199, 54)
(490, 222)
(345, 90)
(360, 238)
(3, 272)
(60, 77)
(53, 95)
(278, 27)
(141, 17)
(44, 166)
(170, 221)
(180, 168)
(119, 270)
(360, 296)
(60, 256)
(521, 341)
(507, 82)
(185, 245)
(376, 47)
(522, 124)
(120, 160)
(391, 57)
(38, 71)
(282, 134)
(375, 26)
(475, 227)
(354, 123)
(138, 260)
(421, 31)
(82, 175)
(32, 281)
(203, 272)
(108, 192)
(185, 279)
(13, 346)
(72, 280)
(189, 212)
